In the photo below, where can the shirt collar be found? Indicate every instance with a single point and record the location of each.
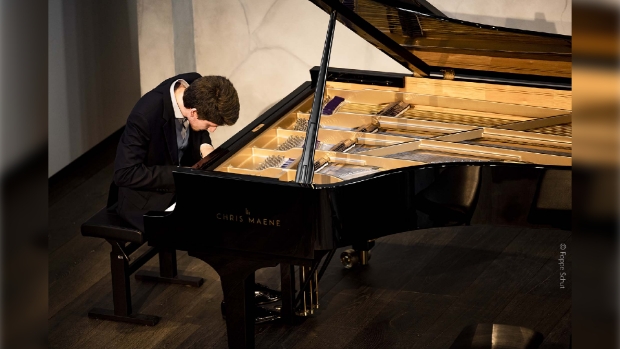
(175, 105)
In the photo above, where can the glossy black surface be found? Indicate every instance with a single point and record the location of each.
(361, 77)
(406, 29)
(373, 35)
(295, 220)
(557, 83)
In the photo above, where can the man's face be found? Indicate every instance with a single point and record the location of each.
(200, 125)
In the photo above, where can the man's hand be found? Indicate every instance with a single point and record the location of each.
(205, 149)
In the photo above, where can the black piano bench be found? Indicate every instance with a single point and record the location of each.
(125, 240)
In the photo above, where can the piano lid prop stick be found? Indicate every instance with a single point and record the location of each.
(305, 169)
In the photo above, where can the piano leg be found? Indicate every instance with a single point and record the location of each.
(237, 277)
(239, 298)
(287, 276)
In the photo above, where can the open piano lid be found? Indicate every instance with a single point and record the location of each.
(426, 42)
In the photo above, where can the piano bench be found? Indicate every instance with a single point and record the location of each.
(110, 226)
(125, 240)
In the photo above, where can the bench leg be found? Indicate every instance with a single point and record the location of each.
(168, 272)
(121, 294)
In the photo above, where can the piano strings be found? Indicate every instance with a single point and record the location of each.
(275, 161)
(565, 130)
(550, 149)
(428, 115)
(347, 171)
(394, 109)
(399, 130)
(405, 110)
(432, 156)
(301, 125)
(342, 170)
(291, 142)
(358, 126)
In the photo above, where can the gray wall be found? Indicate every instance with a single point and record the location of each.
(94, 74)
(551, 16)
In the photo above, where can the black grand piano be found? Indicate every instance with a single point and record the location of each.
(478, 133)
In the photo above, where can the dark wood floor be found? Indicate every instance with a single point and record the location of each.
(419, 291)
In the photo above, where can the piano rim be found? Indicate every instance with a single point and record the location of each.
(276, 181)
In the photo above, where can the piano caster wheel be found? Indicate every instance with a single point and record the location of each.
(351, 258)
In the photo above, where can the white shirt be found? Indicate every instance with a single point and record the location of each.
(175, 105)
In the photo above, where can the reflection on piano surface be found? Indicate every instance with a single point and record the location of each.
(393, 153)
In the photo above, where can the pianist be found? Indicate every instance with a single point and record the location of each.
(169, 127)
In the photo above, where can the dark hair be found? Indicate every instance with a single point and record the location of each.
(214, 98)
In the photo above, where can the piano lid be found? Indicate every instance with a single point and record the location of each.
(425, 41)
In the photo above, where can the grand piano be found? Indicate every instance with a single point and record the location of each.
(478, 133)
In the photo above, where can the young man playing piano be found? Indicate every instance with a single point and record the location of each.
(169, 127)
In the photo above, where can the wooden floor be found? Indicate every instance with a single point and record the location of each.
(419, 291)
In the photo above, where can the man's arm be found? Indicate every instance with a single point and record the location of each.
(205, 144)
(129, 168)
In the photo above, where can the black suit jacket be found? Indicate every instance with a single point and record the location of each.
(147, 153)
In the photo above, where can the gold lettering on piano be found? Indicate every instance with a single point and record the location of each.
(229, 217)
(247, 218)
